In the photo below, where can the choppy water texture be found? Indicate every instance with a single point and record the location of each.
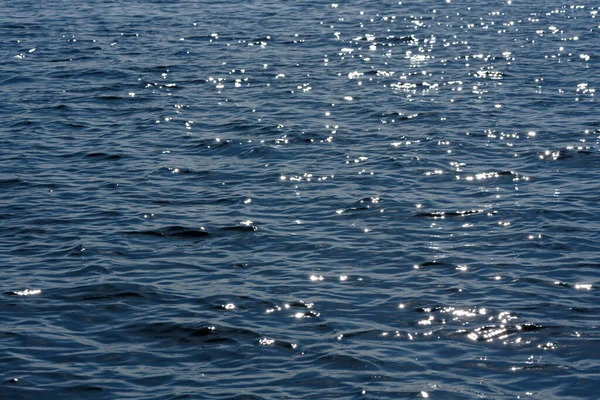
(300, 200)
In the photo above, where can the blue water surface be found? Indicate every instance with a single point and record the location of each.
(300, 200)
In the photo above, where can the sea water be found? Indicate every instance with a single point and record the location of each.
(300, 200)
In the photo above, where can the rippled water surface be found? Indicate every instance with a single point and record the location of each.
(300, 200)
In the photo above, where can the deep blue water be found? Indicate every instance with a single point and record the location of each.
(300, 200)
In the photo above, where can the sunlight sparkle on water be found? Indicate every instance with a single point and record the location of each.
(435, 111)
(27, 292)
(266, 341)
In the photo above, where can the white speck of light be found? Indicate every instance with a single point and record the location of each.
(266, 341)
(29, 292)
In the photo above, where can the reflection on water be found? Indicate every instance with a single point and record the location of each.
(307, 200)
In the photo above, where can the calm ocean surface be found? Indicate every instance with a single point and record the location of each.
(300, 200)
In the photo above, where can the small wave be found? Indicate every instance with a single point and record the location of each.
(103, 156)
(343, 362)
(241, 228)
(193, 334)
(441, 214)
(490, 332)
(173, 231)
(11, 183)
(364, 204)
(108, 291)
